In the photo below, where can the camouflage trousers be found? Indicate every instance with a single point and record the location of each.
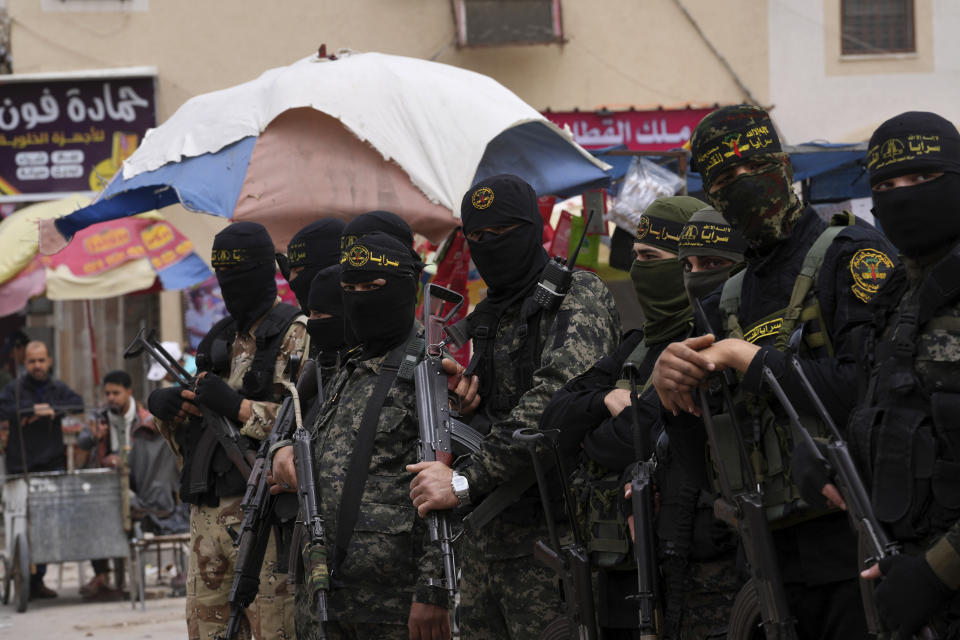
(707, 590)
(510, 598)
(366, 631)
(210, 576)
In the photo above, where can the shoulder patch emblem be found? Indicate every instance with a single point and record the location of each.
(869, 269)
(356, 256)
(482, 198)
(644, 227)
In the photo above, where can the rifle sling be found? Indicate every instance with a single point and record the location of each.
(359, 467)
(502, 497)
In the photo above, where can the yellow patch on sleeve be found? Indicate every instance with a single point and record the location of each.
(870, 269)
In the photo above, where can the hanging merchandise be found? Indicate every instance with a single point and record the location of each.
(644, 182)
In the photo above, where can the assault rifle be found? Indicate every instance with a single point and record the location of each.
(311, 517)
(222, 429)
(571, 563)
(744, 509)
(648, 596)
(438, 429)
(878, 544)
(258, 505)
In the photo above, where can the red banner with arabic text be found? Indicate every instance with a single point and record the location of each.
(107, 245)
(659, 130)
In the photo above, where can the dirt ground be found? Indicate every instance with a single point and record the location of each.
(69, 616)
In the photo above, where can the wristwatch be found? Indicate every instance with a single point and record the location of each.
(461, 488)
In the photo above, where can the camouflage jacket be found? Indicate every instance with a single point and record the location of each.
(390, 561)
(584, 329)
(242, 352)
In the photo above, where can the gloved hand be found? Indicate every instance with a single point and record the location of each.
(811, 472)
(217, 395)
(909, 594)
(165, 403)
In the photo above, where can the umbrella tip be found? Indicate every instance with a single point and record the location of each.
(322, 53)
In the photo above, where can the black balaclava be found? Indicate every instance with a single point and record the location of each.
(922, 218)
(380, 319)
(245, 264)
(314, 247)
(759, 204)
(383, 221)
(326, 296)
(659, 283)
(708, 234)
(509, 263)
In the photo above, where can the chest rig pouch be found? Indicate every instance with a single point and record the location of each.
(208, 474)
(906, 436)
(482, 326)
(765, 434)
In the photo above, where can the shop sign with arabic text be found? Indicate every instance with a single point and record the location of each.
(70, 135)
(660, 130)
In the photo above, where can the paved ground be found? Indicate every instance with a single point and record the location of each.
(69, 616)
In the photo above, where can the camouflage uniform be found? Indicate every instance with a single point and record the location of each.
(213, 556)
(504, 591)
(389, 560)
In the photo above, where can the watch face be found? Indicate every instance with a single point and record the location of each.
(460, 484)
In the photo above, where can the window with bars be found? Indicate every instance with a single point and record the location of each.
(506, 22)
(876, 26)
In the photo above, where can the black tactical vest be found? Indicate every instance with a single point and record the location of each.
(198, 444)
(905, 435)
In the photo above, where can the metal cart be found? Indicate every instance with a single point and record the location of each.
(59, 516)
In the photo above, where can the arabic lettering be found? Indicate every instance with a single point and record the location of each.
(651, 133)
(121, 107)
(384, 261)
(14, 115)
(613, 133)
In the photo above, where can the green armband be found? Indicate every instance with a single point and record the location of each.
(945, 562)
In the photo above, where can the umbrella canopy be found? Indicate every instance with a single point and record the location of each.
(105, 260)
(339, 136)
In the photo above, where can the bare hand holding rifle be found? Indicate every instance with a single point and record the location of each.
(431, 490)
(743, 507)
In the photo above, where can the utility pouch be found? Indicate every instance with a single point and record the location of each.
(598, 494)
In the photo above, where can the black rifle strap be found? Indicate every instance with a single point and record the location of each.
(678, 556)
(502, 497)
(359, 467)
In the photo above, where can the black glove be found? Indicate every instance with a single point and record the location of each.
(217, 395)
(165, 403)
(909, 594)
(810, 472)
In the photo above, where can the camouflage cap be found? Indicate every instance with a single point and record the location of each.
(913, 142)
(662, 222)
(709, 234)
(730, 136)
